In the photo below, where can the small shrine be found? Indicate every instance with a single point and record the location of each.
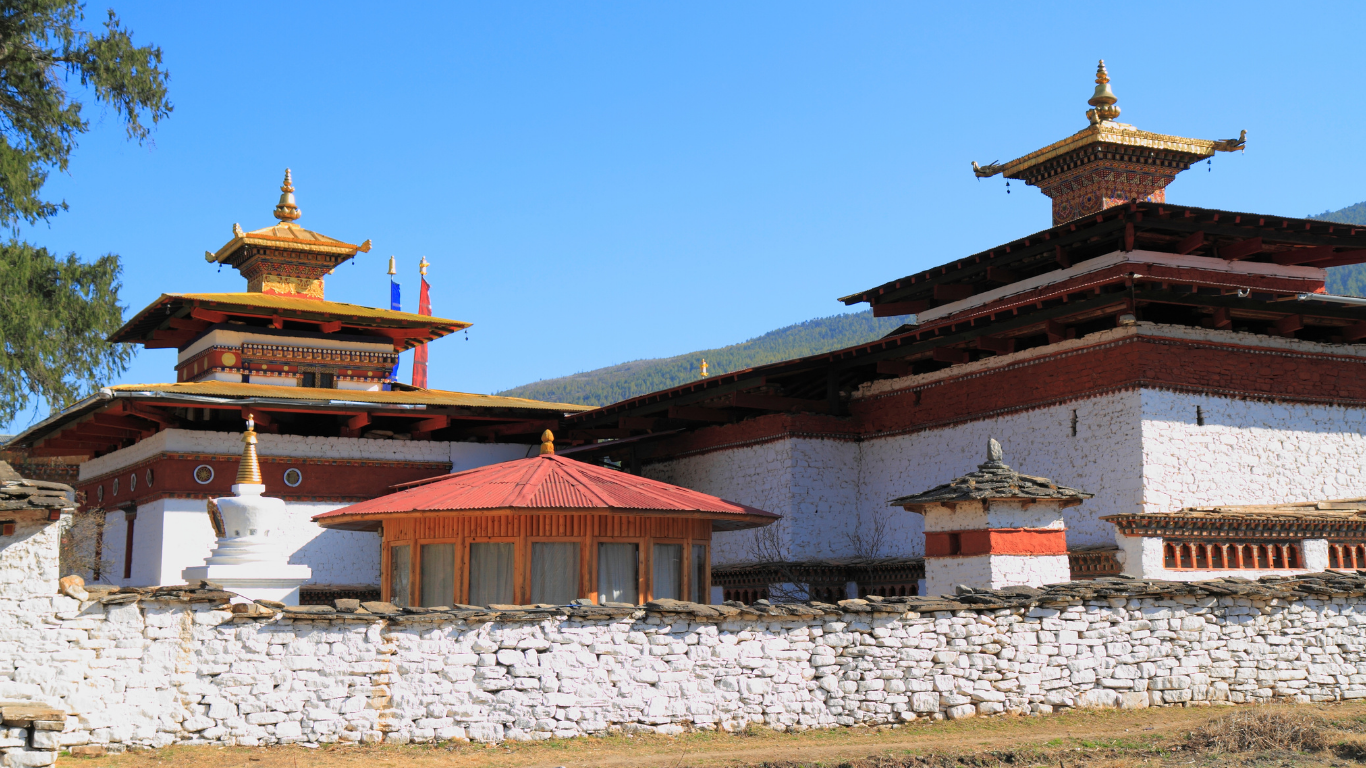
(1108, 162)
(249, 556)
(994, 528)
(544, 530)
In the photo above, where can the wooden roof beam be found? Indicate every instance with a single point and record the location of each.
(898, 308)
(1240, 250)
(1190, 242)
(697, 413)
(773, 403)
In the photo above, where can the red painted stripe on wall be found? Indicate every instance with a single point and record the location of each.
(996, 541)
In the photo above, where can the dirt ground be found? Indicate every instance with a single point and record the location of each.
(1152, 738)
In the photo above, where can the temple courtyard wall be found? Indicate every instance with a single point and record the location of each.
(1137, 447)
(153, 669)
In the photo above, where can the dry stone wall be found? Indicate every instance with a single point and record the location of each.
(150, 668)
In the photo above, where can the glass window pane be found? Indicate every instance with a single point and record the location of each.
(438, 575)
(491, 574)
(618, 573)
(399, 572)
(554, 572)
(668, 572)
(699, 574)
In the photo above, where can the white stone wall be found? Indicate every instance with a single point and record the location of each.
(28, 563)
(155, 674)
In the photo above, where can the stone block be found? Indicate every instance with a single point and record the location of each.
(961, 712)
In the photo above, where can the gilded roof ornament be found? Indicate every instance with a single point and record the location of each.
(547, 443)
(422, 266)
(286, 210)
(393, 267)
(249, 470)
(1103, 101)
(237, 231)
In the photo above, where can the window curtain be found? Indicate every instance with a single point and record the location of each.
(491, 574)
(438, 575)
(554, 572)
(668, 572)
(399, 573)
(618, 573)
(699, 574)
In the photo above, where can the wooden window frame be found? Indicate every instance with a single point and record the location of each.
(706, 568)
(462, 559)
(524, 598)
(683, 588)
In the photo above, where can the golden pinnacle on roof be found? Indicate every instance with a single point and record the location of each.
(547, 443)
(393, 268)
(1104, 99)
(422, 266)
(286, 210)
(249, 470)
(704, 368)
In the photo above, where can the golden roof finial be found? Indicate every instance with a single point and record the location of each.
(704, 368)
(547, 443)
(1103, 100)
(422, 266)
(393, 270)
(249, 470)
(286, 210)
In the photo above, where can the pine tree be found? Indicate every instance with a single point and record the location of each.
(56, 311)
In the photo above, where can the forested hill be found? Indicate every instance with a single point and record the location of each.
(1351, 280)
(618, 382)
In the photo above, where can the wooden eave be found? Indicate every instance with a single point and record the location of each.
(728, 521)
(1159, 227)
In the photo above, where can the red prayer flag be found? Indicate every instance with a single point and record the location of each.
(424, 307)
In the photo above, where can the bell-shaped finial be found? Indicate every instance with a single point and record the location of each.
(547, 443)
(393, 266)
(1103, 100)
(286, 210)
(249, 470)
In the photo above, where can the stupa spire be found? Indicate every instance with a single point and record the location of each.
(249, 470)
(286, 210)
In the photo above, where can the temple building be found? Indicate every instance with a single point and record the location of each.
(336, 426)
(545, 530)
(1159, 356)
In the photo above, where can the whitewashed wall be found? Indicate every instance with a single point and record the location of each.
(1248, 452)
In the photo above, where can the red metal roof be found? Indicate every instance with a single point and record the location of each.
(546, 482)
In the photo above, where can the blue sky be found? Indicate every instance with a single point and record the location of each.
(595, 183)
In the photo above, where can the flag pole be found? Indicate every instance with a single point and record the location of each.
(424, 307)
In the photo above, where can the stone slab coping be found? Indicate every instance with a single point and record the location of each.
(1325, 585)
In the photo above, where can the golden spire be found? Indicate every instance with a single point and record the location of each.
(422, 266)
(393, 270)
(249, 470)
(547, 443)
(1104, 99)
(704, 368)
(286, 210)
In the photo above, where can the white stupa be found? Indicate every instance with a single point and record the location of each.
(249, 558)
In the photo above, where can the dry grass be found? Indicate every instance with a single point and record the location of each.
(1254, 730)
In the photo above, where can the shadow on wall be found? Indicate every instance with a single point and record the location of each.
(341, 557)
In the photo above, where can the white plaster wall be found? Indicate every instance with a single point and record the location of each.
(463, 455)
(147, 547)
(223, 337)
(1248, 452)
(1144, 557)
(28, 563)
(813, 484)
(336, 557)
(943, 574)
(998, 514)
(1105, 458)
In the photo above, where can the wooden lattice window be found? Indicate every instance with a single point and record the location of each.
(1218, 556)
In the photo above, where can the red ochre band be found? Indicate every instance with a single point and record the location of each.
(996, 541)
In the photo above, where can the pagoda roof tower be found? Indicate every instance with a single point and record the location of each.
(1107, 163)
(284, 259)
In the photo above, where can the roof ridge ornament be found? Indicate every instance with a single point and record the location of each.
(286, 210)
(995, 455)
(547, 443)
(1103, 101)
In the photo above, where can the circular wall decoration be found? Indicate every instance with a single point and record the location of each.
(132, 482)
(115, 490)
(293, 477)
(229, 359)
(203, 474)
(149, 477)
(99, 494)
